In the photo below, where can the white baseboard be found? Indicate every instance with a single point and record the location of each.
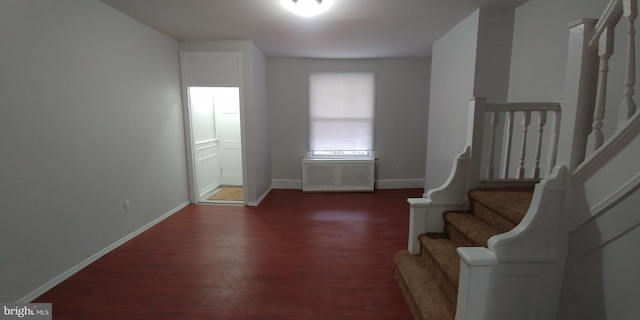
(286, 184)
(256, 203)
(73, 270)
(208, 190)
(380, 184)
(399, 183)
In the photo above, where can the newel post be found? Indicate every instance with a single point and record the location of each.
(475, 134)
(476, 288)
(580, 94)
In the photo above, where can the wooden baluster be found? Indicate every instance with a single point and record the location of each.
(605, 50)
(492, 145)
(526, 121)
(628, 107)
(507, 145)
(542, 121)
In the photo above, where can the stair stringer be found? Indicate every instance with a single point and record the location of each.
(425, 213)
(519, 275)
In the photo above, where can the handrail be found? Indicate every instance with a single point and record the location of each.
(498, 171)
(609, 149)
(522, 106)
(601, 44)
(609, 18)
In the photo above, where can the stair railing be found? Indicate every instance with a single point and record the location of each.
(610, 155)
(602, 44)
(426, 213)
(531, 257)
(486, 126)
(527, 262)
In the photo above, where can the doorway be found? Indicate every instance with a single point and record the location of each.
(217, 145)
(213, 107)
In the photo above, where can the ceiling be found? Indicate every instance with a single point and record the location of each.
(350, 29)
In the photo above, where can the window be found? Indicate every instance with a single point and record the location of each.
(341, 114)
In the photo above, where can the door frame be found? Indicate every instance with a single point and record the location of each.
(229, 75)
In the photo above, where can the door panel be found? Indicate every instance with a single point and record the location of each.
(227, 105)
(207, 162)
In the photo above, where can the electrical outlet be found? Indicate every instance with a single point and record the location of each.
(397, 168)
(127, 205)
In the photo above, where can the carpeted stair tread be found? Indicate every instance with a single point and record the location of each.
(421, 290)
(443, 253)
(472, 228)
(510, 203)
(429, 281)
(496, 220)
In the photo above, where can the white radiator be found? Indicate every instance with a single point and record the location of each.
(337, 174)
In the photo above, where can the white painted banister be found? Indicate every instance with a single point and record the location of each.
(542, 120)
(506, 163)
(628, 106)
(479, 109)
(602, 44)
(522, 106)
(492, 144)
(526, 121)
(609, 17)
(605, 50)
(581, 79)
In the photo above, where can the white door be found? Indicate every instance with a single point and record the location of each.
(227, 106)
(206, 147)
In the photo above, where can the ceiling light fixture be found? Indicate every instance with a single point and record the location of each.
(307, 8)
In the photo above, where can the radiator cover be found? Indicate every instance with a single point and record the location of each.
(338, 174)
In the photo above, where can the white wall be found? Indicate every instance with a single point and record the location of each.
(260, 130)
(255, 121)
(91, 116)
(402, 95)
(540, 41)
(493, 53)
(452, 78)
(472, 59)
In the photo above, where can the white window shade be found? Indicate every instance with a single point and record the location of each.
(341, 114)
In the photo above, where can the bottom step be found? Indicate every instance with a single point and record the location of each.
(420, 288)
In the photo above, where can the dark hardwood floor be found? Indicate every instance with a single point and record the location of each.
(296, 256)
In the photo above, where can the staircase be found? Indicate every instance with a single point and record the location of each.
(429, 281)
(506, 257)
